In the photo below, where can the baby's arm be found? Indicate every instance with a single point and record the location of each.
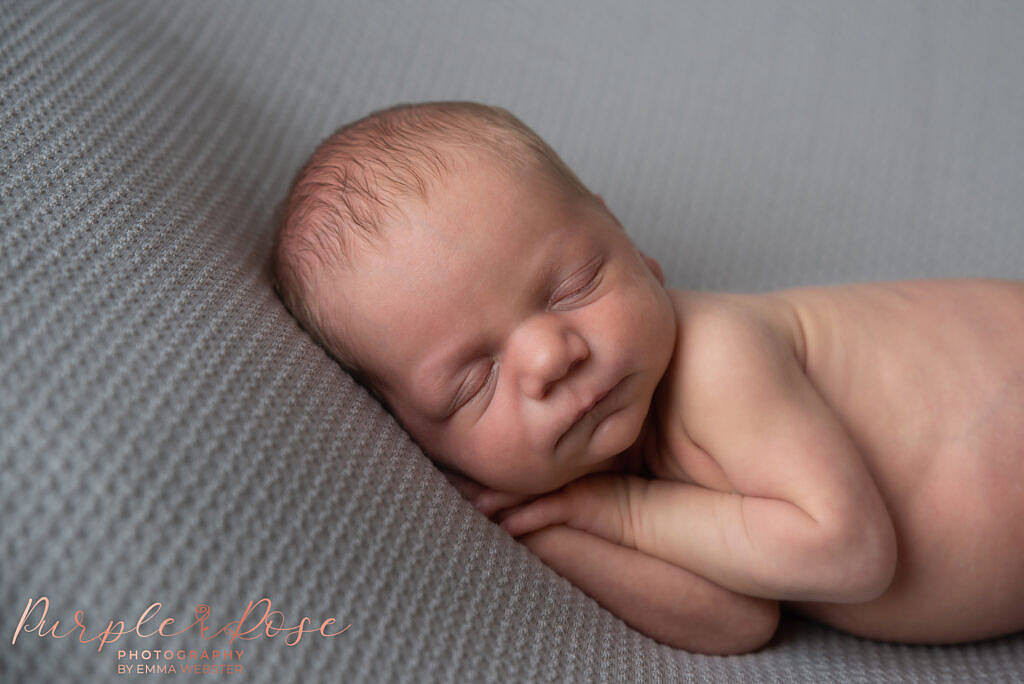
(806, 520)
(665, 602)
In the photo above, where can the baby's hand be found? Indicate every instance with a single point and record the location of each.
(491, 501)
(604, 504)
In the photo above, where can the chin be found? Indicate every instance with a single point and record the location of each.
(549, 485)
(617, 432)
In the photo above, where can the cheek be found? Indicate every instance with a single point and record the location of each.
(495, 437)
(659, 318)
(633, 321)
(637, 330)
(502, 430)
(494, 457)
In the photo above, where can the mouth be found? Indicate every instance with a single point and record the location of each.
(596, 409)
(591, 406)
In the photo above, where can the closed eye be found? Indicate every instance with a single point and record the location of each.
(580, 283)
(476, 383)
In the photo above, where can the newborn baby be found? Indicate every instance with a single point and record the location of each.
(688, 458)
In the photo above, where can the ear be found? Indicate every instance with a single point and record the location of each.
(650, 261)
(655, 267)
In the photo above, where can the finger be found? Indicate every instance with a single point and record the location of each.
(490, 501)
(535, 515)
(604, 505)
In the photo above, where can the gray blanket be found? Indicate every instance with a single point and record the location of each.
(168, 434)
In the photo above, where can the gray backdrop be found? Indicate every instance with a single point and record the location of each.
(169, 434)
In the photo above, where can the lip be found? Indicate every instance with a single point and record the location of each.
(594, 406)
(594, 402)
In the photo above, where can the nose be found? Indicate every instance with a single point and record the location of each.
(545, 350)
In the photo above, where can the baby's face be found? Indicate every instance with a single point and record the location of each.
(497, 316)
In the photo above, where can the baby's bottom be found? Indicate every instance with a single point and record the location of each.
(939, 622)
(972, 588)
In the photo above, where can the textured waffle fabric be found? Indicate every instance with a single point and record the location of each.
(169, 434)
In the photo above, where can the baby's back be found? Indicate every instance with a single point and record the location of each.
(928, 378)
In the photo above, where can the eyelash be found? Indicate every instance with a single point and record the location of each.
(582, 289)
(477, 390)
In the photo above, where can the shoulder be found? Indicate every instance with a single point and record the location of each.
(713, 324)
(728, 343)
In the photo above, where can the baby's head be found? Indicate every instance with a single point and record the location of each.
(447, 258)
